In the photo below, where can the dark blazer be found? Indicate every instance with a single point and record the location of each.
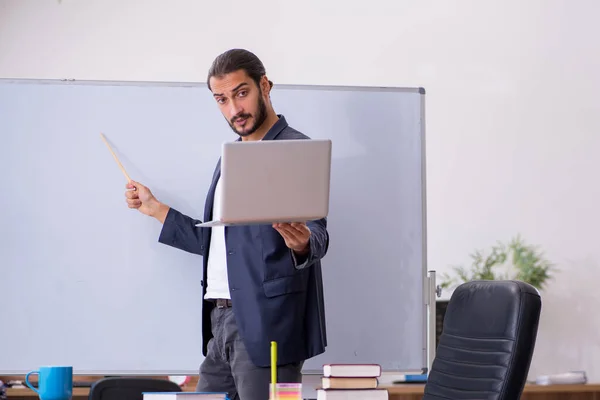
(274, 296)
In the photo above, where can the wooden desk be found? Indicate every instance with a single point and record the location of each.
(531, 392)
(405, 392)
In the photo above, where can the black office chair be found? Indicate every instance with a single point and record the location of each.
(487, 342)
(125, 388)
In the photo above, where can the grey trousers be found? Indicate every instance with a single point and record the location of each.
(228, 367)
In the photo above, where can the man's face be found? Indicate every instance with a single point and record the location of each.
(240, 100)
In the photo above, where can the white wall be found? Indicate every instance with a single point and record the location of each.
(513, 96)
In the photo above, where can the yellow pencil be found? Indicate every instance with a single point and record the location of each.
(273, 368)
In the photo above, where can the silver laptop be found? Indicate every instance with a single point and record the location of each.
(264, 182)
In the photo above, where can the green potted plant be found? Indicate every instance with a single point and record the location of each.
(513, 260)
(526, 263)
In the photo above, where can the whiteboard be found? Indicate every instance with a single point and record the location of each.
(87, 283)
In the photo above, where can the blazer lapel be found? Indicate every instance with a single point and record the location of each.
(276, 129)
(208, 206)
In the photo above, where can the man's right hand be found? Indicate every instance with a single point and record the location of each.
(140, 197)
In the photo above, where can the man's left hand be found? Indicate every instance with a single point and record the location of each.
(296, 236)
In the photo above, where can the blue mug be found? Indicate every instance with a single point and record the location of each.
(54, 383)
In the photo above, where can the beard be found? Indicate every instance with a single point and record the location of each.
(259, 119)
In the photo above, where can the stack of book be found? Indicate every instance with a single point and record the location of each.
(350, 382)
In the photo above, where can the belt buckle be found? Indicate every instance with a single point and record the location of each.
(222, 303)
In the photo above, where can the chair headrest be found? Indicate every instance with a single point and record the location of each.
(491, 309)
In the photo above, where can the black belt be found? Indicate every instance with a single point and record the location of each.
(222, 303)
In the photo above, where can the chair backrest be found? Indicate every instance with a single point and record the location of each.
(487, 342)
(125, 388)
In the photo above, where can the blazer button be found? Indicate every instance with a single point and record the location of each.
(202, 283)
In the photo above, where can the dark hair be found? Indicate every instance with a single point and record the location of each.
(234, 60)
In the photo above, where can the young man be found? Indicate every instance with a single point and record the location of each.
(263, 282)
